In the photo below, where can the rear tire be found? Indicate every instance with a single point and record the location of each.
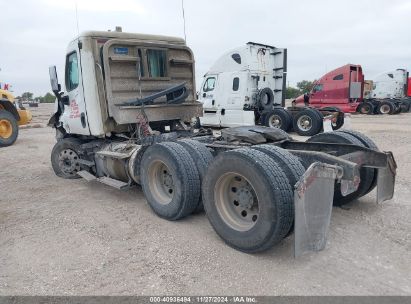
(277, 118)
(64, 158)
(307, 122)
(248, 199)
(170, 180)
(369, 143)
(398, 109)
(202, 157)
(366, 108)
(290, 164)
(366, 174)
(9, 129)
(386, 107)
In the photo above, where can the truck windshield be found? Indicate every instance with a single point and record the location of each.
(209, 84)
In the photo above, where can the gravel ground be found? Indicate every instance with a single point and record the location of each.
(70, 237)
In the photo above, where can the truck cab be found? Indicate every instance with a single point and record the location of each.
(230, 89)
(390, 85)
(110, 75)
(341, 88)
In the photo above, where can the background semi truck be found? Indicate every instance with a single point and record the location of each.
(125, 120)
(346, 89)
(246, 87)
(11, 116)
(387, 93)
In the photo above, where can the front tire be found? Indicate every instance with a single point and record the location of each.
(65, 157)
(9, 129)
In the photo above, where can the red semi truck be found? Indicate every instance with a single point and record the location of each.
(341, 88)
(344, 89)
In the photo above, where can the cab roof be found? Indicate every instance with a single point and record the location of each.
(134, 36)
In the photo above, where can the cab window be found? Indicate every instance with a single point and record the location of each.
(339, 77)
(156, 61)
(317, 88)
(209, 84)
(72, 73)
(236, 83)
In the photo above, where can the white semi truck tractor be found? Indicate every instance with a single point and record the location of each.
(246, 87)
(124, 119)
(388, 92)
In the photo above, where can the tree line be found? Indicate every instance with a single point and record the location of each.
(48, 98)
(302, 87)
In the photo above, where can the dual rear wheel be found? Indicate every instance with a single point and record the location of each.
(247, 193)
(306, 122)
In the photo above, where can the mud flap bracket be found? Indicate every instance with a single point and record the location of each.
(313, 201)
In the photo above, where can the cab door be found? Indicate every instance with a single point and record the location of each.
(235, 95)
(208, 96)
(208, 92)
(74, 117)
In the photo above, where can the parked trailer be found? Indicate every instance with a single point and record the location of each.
(345, 88)
(246, 87)
(124, 120)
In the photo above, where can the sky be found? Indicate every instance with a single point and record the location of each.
(320, 35)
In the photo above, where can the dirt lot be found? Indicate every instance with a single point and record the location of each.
(70, 237)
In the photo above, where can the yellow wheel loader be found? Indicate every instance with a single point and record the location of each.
(11, 117)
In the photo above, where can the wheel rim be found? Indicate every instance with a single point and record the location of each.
(161, 182)
(304, 123)
(275, 121)
(236, 201)
(6, 129)
(385, 109)
(68, 162)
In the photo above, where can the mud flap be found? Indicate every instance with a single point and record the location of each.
(386, 179)
(313, 200)
(347, 122)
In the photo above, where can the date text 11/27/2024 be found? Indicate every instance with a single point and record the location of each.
(203, 299)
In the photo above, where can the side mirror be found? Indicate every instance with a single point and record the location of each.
(204, 95)
(55, 86)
